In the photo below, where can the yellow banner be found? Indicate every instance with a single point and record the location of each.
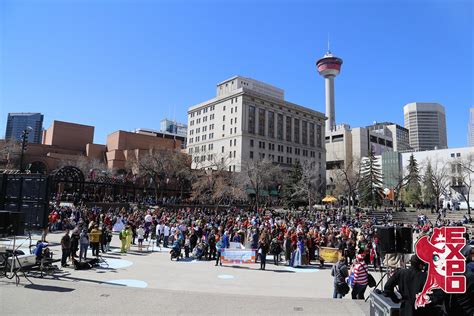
(330, 255)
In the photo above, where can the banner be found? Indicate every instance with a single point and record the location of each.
(330, 255)
(238, 256)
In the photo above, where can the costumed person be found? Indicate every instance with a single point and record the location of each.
(129, 237)
(123, 240)
(298, 253)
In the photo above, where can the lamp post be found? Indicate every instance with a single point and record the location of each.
(24, 142)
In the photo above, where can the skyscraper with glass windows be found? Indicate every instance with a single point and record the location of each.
(18, 122)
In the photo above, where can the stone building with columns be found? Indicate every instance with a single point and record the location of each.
(251, 120)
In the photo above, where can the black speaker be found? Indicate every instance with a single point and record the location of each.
(12, 190)
(4, 223)
(386, 237)
(33, 188)
(17, 220)
(404, 240)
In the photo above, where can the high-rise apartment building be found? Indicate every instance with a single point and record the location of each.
(426, 123)
(249, 120)
(470, 128)
(18, 122)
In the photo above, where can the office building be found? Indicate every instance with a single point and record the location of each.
(123, 147)
(174, 128)
(470, 128)
(248, 120)
(18, 122)
(400, 135)
(426, 123)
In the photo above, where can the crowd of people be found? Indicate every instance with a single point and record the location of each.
(293, 237)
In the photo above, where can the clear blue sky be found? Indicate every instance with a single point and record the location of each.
(127, 64)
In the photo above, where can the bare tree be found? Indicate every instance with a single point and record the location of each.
(10, 154)
(348, 179)
(260, 175)
(91, 168)
(464, 179)
(159, 166)
(214, 183)
(310, 184)
(439, 179)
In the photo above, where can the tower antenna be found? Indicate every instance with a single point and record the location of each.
(329, 45)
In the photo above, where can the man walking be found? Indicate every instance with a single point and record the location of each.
(66, 248)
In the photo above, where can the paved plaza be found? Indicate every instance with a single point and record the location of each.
(148, 282)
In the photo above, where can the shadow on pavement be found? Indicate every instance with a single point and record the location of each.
(48, 288)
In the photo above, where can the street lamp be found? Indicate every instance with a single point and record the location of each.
(24, 142)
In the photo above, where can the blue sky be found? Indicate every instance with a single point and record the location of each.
(127, 64)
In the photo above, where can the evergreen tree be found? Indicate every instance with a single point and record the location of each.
(429, 195)
(370, 188)
(412, 192)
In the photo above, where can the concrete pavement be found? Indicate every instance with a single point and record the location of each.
(150, 283)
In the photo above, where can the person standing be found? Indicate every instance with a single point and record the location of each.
(84, 244)
(361, 277)
(129, 238)
(340, 273)
(410, 282)
(141, 236)
(66, 248)
(166, 235)
(219, 246)
(123, 240)
(95, 240)
(74, 243)
(263, 249)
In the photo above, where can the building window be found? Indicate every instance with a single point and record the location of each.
(318, 136)
(288, 129)
(235, 142)
(271, 124)
(251, 155)
(297, 131)
(222, 149)
(251, 128)
(280, 127)
(251, 143)
(261, 122)
(304, 132)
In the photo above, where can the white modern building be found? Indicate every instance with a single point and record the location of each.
(426, 123)
(447, 163)
(470, 128)
(249, 119)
